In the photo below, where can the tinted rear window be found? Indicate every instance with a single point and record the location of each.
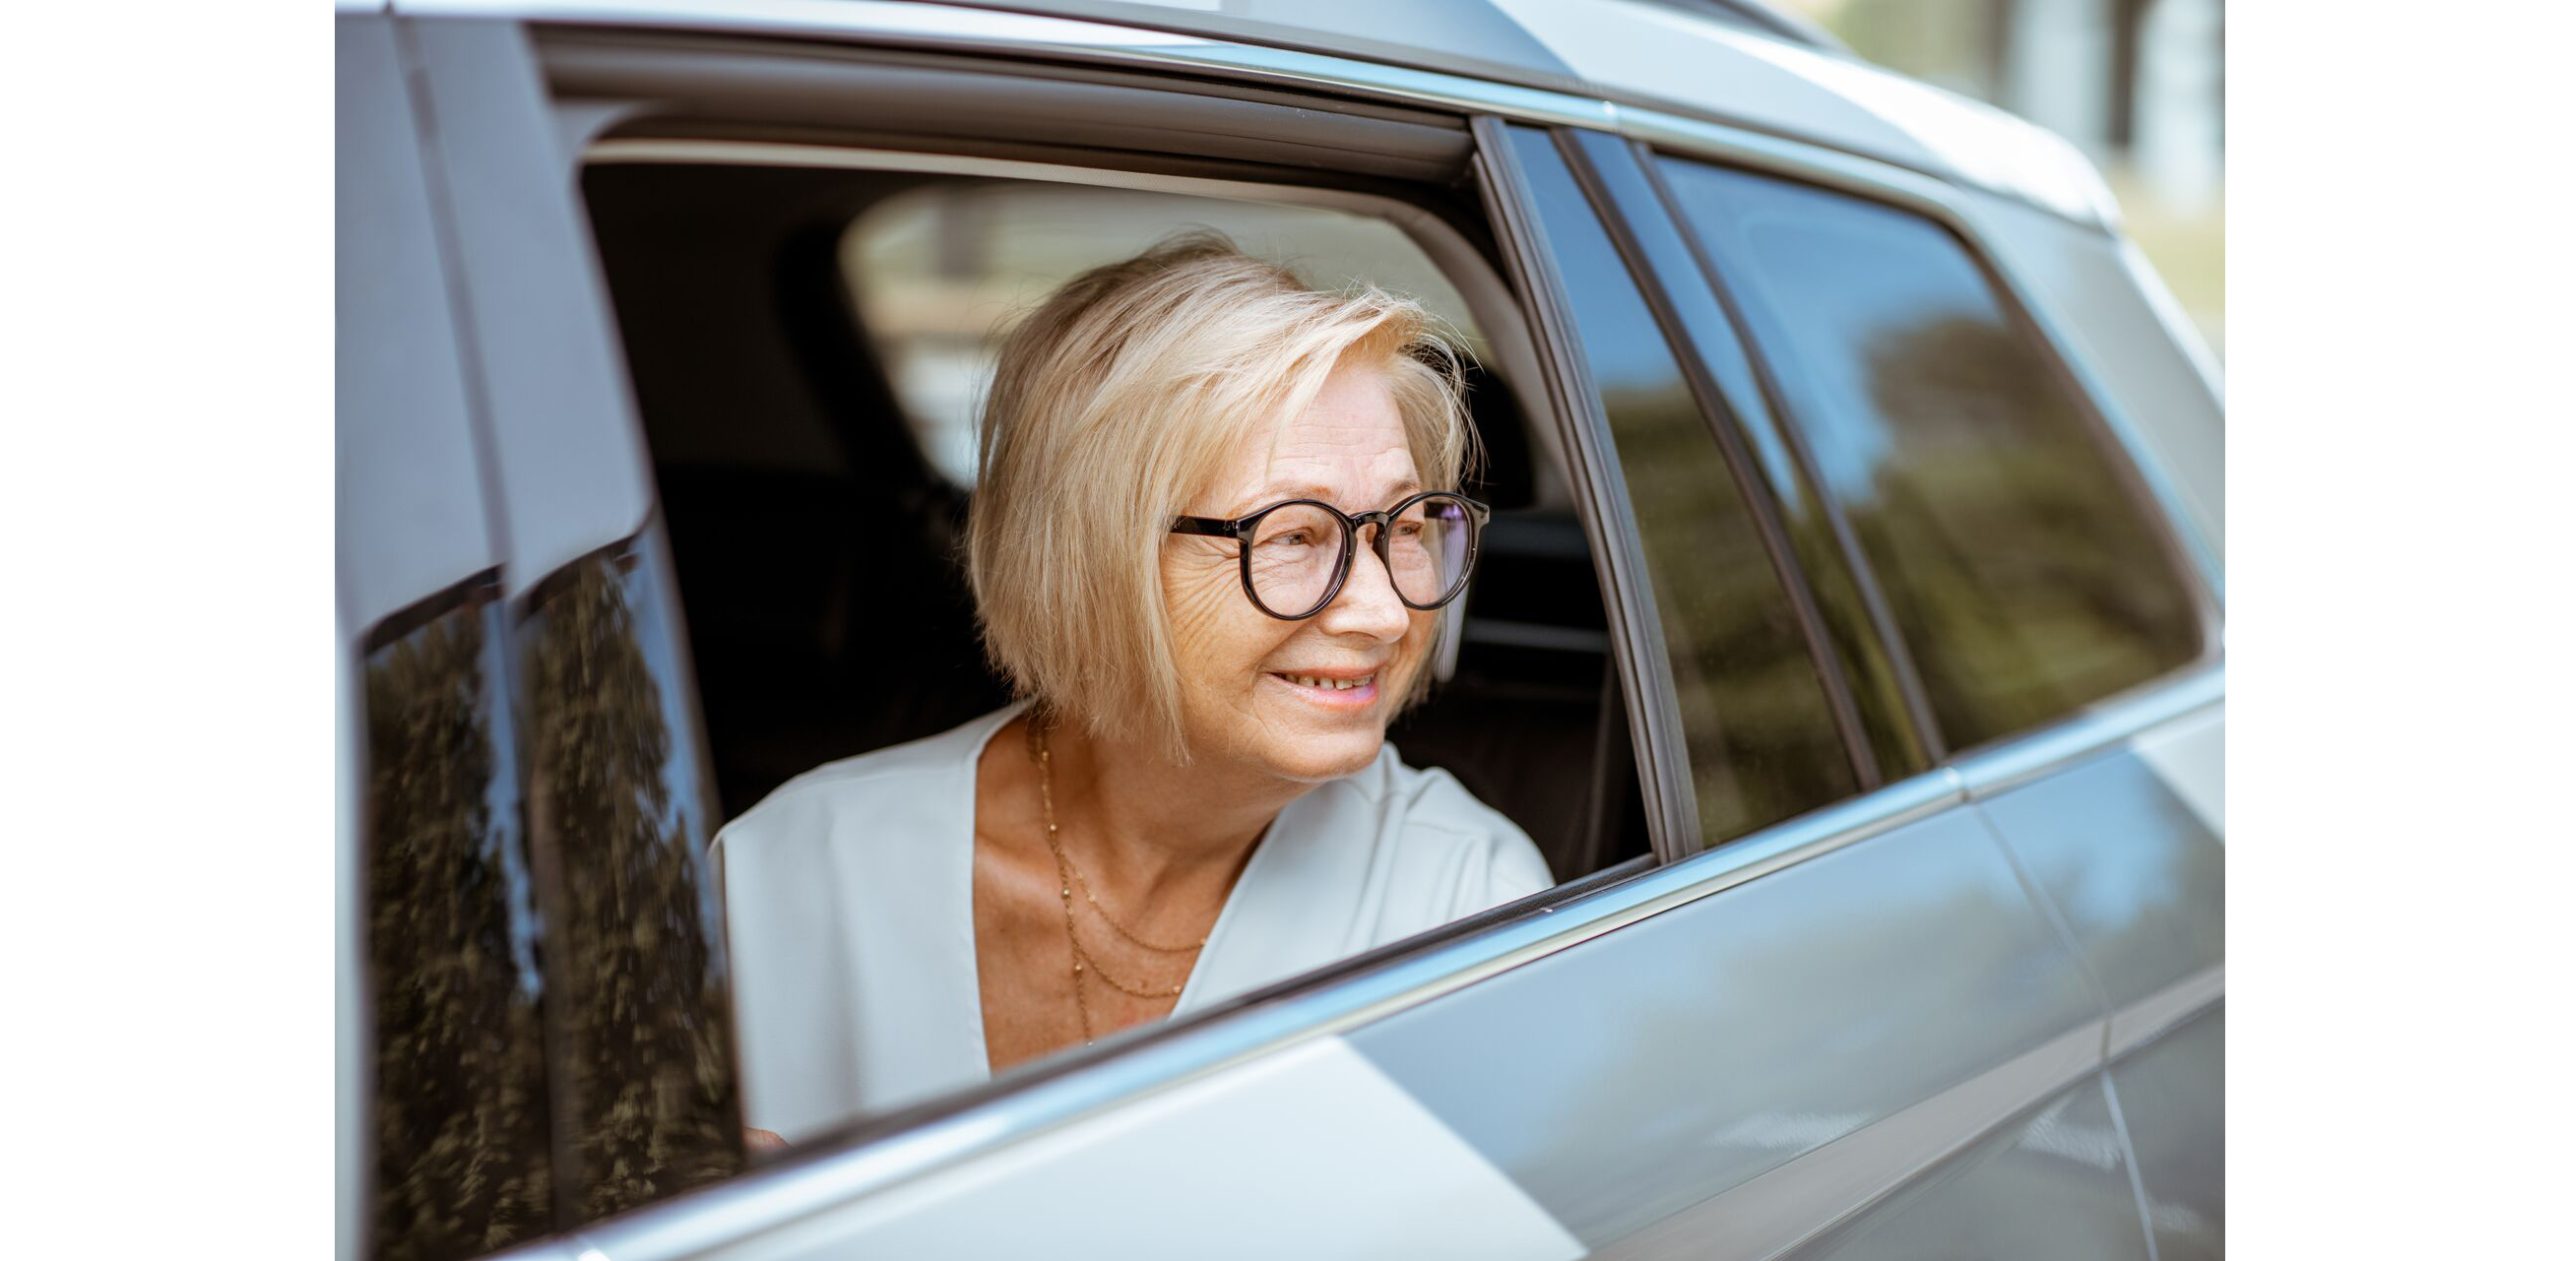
(2023, 568)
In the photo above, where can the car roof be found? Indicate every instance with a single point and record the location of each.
(1738, 63)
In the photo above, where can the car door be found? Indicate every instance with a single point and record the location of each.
(2051, 619)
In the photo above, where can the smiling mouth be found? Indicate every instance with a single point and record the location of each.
(1331, 685)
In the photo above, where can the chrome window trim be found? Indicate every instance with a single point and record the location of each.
(1992, 769)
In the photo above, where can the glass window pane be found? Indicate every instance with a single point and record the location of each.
(2025, 575)
(1762, 742)
(1832, 587)
(461, 1118)
(621, 820)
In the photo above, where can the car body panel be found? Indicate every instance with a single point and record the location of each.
(570, 469)
(2055, 1184)
(1308, 1152)
(1682, 1057)
(2187, 755)
(411, 521)
(2133, 872)
(2171, 1093)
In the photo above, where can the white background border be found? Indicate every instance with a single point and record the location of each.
(165, 528)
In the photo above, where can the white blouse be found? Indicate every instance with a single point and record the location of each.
(853, 947)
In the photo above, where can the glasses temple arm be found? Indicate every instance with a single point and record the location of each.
(1208, 525)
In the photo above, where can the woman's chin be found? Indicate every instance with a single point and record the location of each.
(1312, 734)
(1313, 756)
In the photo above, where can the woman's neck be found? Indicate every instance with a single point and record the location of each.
(1146, 827)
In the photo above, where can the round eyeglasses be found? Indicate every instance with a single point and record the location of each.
(1296, 554)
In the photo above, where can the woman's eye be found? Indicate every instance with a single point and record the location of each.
(1408, 529)
(1294, 538)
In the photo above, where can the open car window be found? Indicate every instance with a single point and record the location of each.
(811, 348)
(938, 272)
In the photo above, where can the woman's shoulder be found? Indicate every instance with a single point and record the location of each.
(1426, 795)
(871, 787)
(1433, 816)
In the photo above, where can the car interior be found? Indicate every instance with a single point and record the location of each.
(808, 342)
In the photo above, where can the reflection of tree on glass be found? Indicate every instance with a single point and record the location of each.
(1763, 741)
(2018, 563)
(459, 1111)
(643, 1007)
(2026, 602)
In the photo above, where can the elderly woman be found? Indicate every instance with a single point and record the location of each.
(1216, 517)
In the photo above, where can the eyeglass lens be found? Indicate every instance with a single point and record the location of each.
(1298, 549)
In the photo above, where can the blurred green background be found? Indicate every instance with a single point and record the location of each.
(2136, 84)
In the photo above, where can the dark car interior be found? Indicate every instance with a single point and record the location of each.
(816, 546)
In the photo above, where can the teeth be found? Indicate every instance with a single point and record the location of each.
(1330, 685)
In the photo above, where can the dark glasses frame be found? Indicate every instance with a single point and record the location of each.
(1241, 529)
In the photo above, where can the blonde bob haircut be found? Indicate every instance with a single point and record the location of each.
(1115, 403)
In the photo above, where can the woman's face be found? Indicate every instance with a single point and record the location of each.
(1246, 676)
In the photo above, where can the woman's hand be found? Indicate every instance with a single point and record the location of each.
(763, 1142)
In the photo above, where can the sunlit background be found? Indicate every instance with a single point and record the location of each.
(2136, 84)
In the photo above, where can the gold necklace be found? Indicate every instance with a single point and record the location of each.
(1116, 925)
(1066, 903)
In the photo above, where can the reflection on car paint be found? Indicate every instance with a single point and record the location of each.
(1683, 1055)
(2056, 1184)
(2135, 875)
(2172, 1092)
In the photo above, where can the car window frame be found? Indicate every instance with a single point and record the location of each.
(595, 124)
(1539, 265)
(1865, 629)
(1640, 249)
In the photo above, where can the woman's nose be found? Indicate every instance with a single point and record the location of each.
(1367, 604)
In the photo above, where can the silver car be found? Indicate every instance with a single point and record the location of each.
(1847, 633)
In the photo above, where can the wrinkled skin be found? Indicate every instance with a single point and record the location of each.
(1347, 448)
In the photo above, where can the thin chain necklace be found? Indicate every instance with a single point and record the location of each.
(1082, 960)
(1105, 912)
